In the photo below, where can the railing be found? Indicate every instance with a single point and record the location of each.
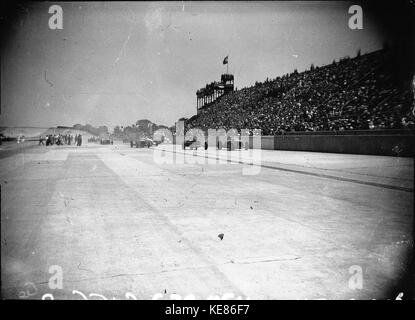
(354, 132)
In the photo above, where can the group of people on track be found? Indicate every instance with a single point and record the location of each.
(60, 139)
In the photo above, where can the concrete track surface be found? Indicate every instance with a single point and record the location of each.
(120, 223)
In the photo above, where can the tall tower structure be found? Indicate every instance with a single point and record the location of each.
(213, 91)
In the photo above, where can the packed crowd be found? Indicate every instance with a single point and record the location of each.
(60, 139)
(353, 93)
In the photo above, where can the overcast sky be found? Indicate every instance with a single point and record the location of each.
(115, 63)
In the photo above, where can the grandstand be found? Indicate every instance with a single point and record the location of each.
(357, 93)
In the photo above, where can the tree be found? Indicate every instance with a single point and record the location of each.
(103, 130)
(117, 131)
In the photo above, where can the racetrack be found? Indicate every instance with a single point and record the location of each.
(117, 221)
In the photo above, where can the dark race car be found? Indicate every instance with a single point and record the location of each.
(143, 143)
(107, 141)
(192, 143)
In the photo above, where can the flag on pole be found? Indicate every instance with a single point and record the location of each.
(225, 61)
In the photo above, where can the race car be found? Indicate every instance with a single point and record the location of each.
(193, 143)
(139, 144)
(107, 141)
(154, 142)
(143, 143)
